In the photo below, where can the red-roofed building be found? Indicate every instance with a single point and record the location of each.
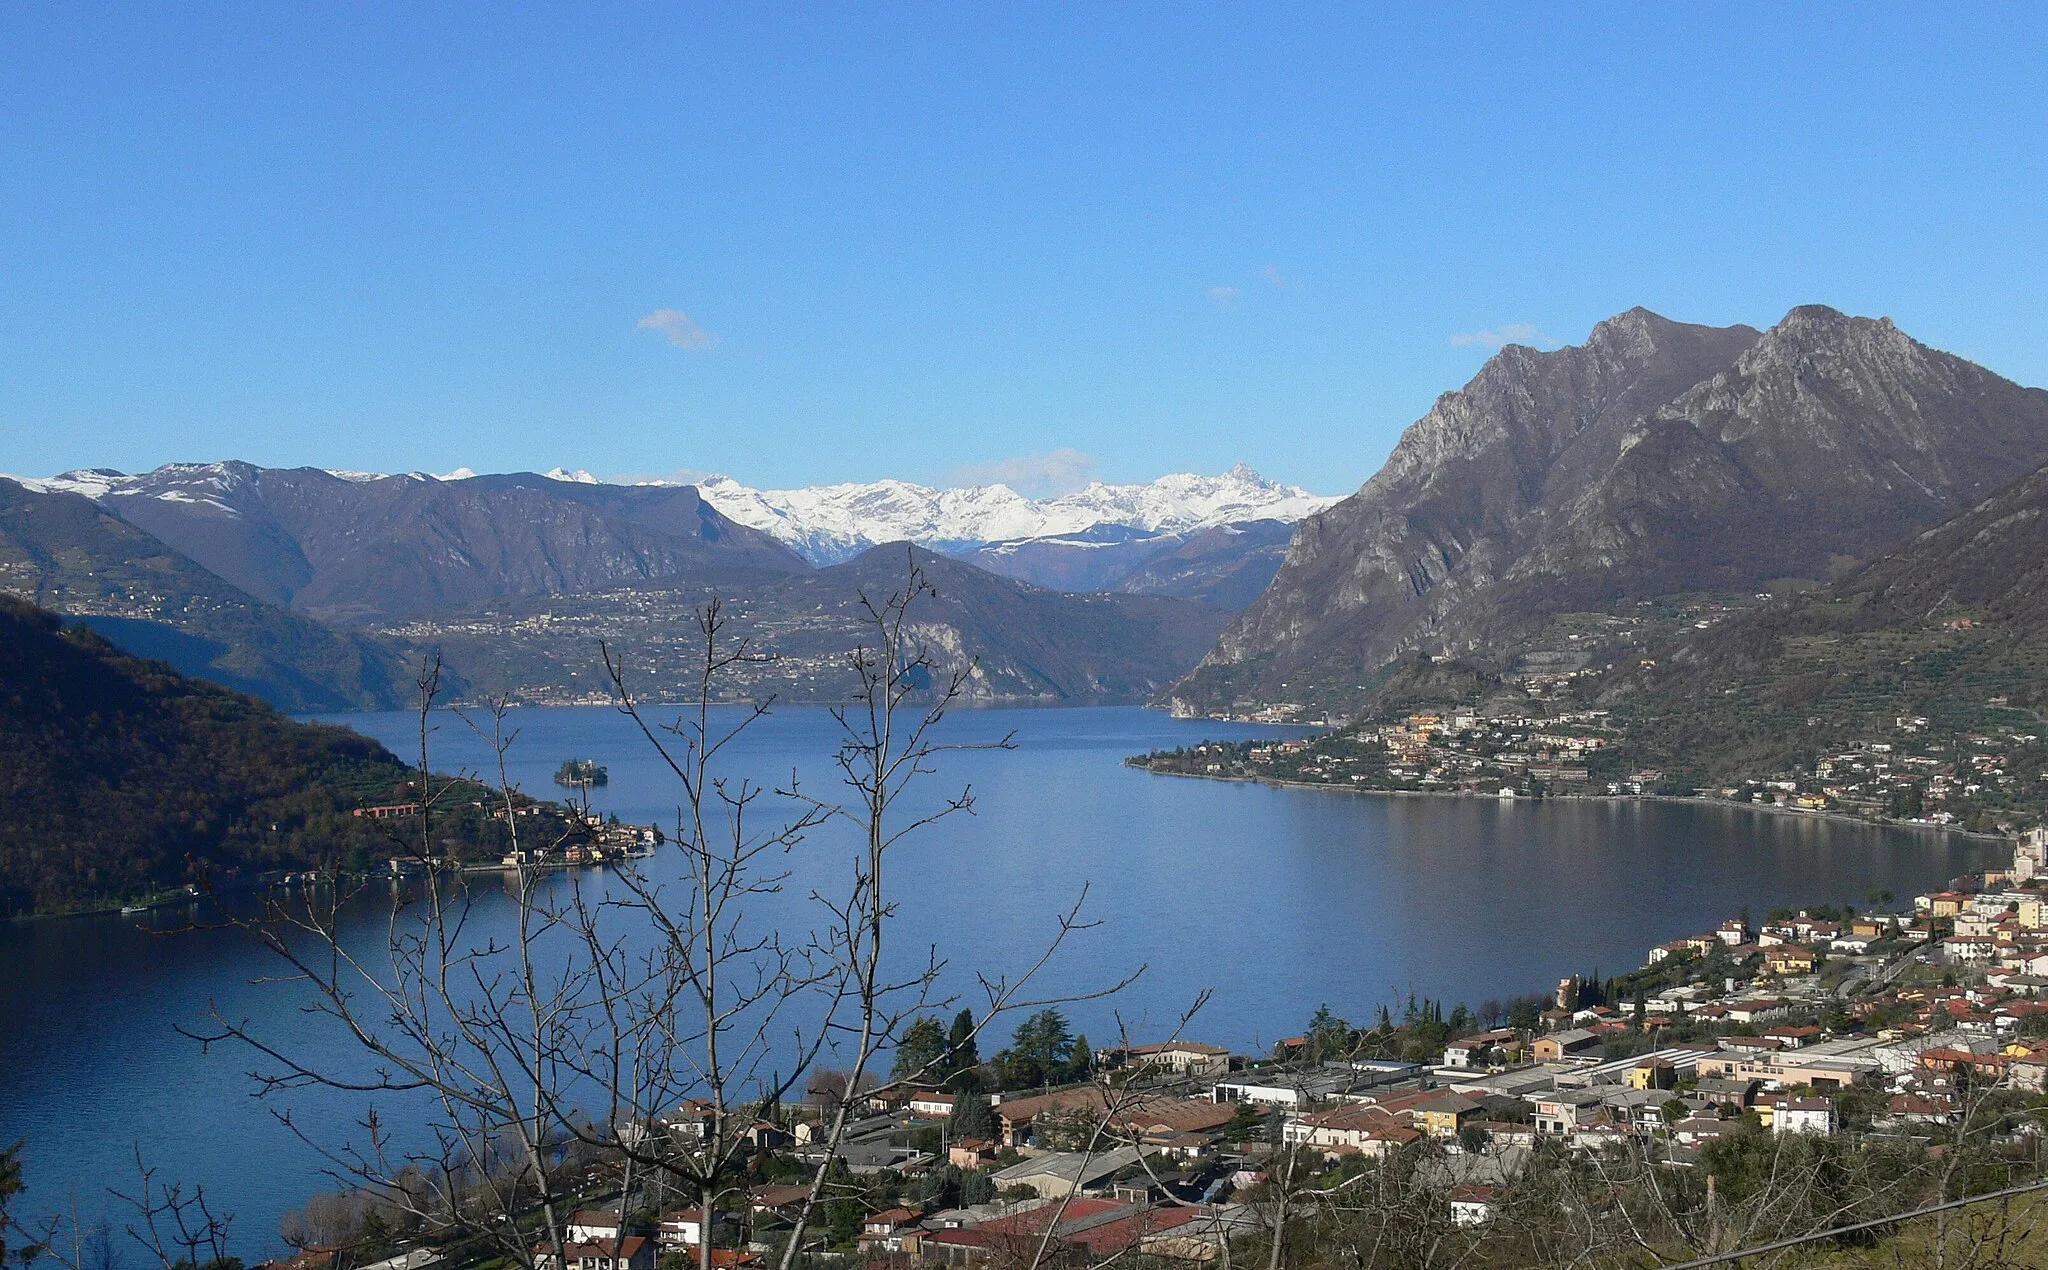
(630, 1253)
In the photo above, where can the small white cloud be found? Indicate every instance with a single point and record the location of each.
(1223, 296)
(1271, 273)
(1048, 475)
(1506, 333)
(678, 328)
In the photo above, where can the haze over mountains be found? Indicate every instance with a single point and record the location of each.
(402, 562)
(65, 552)
(1654, 459)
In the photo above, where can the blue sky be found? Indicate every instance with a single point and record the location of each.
(845, 242)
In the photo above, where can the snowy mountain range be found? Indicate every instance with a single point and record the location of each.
(1215, 539)
(826, 524)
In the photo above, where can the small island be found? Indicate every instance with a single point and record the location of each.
(582, 773)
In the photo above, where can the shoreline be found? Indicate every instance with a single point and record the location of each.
(1693, 801)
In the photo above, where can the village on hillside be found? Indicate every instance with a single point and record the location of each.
(1901, 1028)
(1906, 775)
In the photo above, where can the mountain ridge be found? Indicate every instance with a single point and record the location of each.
(63, 551)
(1656, 457)
(832, 523)
(361, 547)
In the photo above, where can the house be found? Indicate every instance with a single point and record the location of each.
(1921, 1109)
(630, 1253)
(1804, 1115)
(690, 1120)
(1548, 1049)
(589, 1225)
(1949, 1061)
(970, 1153)
(764, 1200)
(1474, 1050)
(1504, 1133)
(1724, 1092)
(1794, 1035)
(1694, 1130)
(931, 1104)
(2030, 1073)
(1066, 1173)
(1822, 1071)
(1287, 1089)
(1565, 1110)
(1362, 1127)
(1788, 959)
(1182, 1058)
(684, 1228)
(1442, 1117)
(892, 1230)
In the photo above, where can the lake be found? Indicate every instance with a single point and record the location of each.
(1279, 899)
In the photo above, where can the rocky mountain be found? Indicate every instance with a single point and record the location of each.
(64, 552)
(1656, 458)
(1021, 644)
(355, 547)
(831, 523)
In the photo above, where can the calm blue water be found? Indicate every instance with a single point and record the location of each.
(1280, 900)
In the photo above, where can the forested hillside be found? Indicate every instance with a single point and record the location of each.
(118, 775)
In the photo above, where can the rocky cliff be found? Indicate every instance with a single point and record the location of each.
(1656, 458)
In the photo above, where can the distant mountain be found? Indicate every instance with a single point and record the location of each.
(832, 523)
(1226, 565)
(359, 547)
(64, 552)
(1654, 459)
(1025, 644)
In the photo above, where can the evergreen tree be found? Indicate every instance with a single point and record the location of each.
(1041, 1051)
(963, 1053)
(977, 1187)
(920, 1050)
(972, 1119)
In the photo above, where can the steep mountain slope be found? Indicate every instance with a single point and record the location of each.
(120, 777)
(66, 553)
(832, 523)
(1655, 458)
(1028, 644)
(354, 548)
(1950, 628)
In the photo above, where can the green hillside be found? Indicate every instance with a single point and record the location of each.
(118, 775)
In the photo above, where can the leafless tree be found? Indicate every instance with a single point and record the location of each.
(641, 1022)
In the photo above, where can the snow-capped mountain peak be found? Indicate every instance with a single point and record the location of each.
(823, 523)
(830, 523)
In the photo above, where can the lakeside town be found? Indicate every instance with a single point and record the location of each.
(1905, 776)
(1907, 1030)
